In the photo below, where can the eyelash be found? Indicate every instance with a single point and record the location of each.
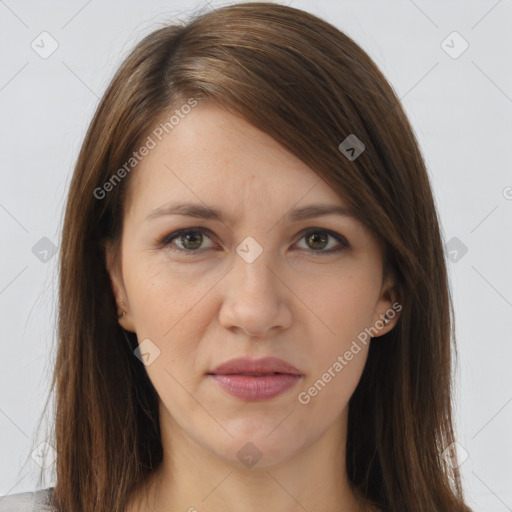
(166, 241)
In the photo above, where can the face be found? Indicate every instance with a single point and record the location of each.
(256, 280)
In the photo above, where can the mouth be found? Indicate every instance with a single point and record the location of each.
(256, 367)
(251, 374)
(256, 380)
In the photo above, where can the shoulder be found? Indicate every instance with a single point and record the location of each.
(35, 501)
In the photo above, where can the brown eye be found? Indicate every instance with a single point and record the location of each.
(187, 241)
(191, 240)
(319, 241)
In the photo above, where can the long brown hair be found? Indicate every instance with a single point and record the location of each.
(309, 86)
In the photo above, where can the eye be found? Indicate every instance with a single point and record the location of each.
(187, 241)
(317, 240)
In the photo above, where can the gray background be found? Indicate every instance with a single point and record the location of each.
(460, 105)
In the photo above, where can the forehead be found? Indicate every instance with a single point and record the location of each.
(216, 157)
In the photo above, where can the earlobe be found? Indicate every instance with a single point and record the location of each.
(117, 287)
(113, 272)
(124, 319)
(386, 321)
(121, 311)
(388, 308)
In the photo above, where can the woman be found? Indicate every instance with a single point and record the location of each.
(254, 307)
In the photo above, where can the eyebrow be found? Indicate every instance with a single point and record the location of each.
(205, 212)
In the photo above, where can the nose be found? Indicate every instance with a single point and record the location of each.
(256, 300)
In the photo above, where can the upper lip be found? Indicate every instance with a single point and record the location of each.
(266, 365)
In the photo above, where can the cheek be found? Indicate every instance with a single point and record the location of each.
(165, 297)
(171, 309)
(336, 360)
(343, 304)
(338, 346)
(171, 306)
(326, 394)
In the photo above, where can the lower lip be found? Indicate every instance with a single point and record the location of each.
(256, 388)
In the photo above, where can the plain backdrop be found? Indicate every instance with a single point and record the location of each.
(457, 92)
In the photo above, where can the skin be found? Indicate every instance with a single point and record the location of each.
(200, 310)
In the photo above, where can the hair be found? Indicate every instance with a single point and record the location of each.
(309, 86)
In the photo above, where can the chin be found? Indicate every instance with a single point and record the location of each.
(257, 449)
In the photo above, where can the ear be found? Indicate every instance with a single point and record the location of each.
(388, 306)
(114, 269)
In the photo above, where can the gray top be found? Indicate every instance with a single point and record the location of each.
(36, 501)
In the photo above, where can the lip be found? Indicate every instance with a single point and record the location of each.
(256, 379)
(244, 365)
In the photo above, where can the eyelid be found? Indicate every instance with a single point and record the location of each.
(167, 240)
